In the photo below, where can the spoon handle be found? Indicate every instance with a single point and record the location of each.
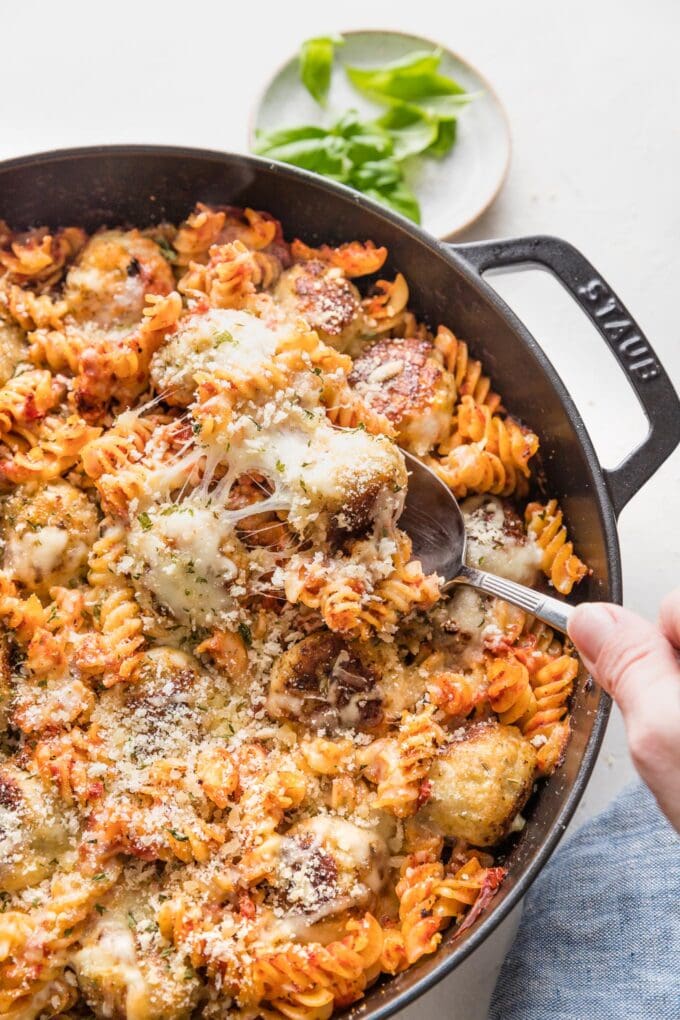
(551, 611)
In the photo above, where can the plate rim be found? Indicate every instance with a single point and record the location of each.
(456, 231)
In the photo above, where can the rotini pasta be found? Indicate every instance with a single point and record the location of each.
(250, 758)
(559, 562)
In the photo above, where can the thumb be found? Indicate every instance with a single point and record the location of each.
(626, 654)
(638, 666)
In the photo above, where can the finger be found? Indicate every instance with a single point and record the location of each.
(638, 666)
(625, 653)
(589, 626)
(669, 617)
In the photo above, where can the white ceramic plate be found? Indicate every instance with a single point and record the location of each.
(453, 191)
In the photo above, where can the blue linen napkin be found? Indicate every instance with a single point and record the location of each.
(599, 937)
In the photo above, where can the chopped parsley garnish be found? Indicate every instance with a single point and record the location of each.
(144, 520)
(224, 337)
(244, 631)
(179, 836)
(167, 250)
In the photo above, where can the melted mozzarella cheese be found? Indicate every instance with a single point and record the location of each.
(315, 467)
(328, 864)
(492, 546)
(181, 557)
(357, 852)
(311, 466)
(32, 555)
(184, 552)
(218, 339)
(108, 961)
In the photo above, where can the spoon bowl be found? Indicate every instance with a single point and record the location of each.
(435, 524)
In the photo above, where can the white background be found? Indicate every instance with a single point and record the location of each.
(593, 94)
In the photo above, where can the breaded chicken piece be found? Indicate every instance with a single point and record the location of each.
(34, 829)
(48, 533)
(111, 277)
(126, 969)
(479, 783)
(325, 299)
(400, 378)
(326, 682)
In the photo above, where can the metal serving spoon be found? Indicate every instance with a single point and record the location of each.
(436, 526)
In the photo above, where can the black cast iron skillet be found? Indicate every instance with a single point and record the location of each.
(137, 185)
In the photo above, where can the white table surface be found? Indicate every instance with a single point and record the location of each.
(593, 93)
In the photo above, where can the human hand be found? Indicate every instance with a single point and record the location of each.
(637, 664)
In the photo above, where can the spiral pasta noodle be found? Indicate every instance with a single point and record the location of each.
(119, 616)
(467, 371)
(510, 692)
(232, 276)
(486, 453)
(559, 563)
(112, 460)
(429, 899)
(27, 398)
(54, 446)
(400, 765)
(39, 257)
(347, 606)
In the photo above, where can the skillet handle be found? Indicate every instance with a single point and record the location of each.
(623, 336)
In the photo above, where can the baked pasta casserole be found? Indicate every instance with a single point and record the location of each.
(250, 758)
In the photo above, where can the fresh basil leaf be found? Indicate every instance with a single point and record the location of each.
(358, 153)
(399, 198)
(445, 140)
(316, 65)
(411, 130)
(413, 78)
(331, 152)
(325, 155)
(348, 124)
(270, 139)
(381, 174)
(384, 181)
(444, 107)
(396, 76)
(369, 145)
